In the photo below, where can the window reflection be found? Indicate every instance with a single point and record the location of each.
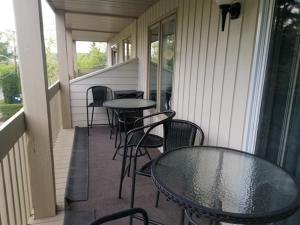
(126, 49)
(168, 53)
(154, 60)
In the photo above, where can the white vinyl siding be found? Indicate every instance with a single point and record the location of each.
(212, 68)
(129, 31)
(120, 77)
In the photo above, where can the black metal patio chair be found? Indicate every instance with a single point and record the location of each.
(178, 133)
(99, 95)
(131, 116)
(122, 214)
(139, 139)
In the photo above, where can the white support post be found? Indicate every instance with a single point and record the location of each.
(109, 55)
(69, 44)
(34, 82)
(75, 59)
(64, 73)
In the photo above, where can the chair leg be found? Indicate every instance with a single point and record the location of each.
(120, 136)
(115, 154)
(130, 157)
(147, 153)
(112, 125)
(108, 116)
(117, 133)
(182, 217)
(122, 172)
(133, 186)
(87, 120)
(157, 199)
(92, 116)
(133, 181)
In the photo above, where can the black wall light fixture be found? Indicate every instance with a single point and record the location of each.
(227, 6)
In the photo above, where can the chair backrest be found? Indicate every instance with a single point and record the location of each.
(100, 94)
(181, 133)
(162, 118)
(131, 94)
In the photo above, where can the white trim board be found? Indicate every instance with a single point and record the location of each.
(101, 71)
(258, 75)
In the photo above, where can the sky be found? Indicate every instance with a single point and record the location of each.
(7, 22)
(7, 19)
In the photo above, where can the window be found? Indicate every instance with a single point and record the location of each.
(114, 55)
(161, 62)
(126, 49)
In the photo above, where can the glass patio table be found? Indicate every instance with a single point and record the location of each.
(226, 185)
(130, 104)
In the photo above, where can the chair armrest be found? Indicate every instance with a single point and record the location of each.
(122, 214)
(149, 116)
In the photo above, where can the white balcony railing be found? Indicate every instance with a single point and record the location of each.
(55, 109)
(15, 194)
(15, 190)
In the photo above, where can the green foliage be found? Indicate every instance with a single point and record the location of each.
(95, 59)
(4, 47)
(10, 82)
(52, 63)
(7, 110)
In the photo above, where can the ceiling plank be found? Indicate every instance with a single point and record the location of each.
(91, 30)
(126, 8)
(100, 14)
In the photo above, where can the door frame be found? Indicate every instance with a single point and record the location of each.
(258, 73)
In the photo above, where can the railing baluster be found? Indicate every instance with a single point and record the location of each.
(20, 182)
(24, 139)
(25, 180)
(15, 186)
(9, 191)
(3, 198)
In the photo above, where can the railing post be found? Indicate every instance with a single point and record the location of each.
(36, 107)
(64, 62)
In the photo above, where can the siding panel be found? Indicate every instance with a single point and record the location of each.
(121, 77)
(212, 68)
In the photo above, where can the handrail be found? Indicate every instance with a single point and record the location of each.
(11, 131)
(53, 89)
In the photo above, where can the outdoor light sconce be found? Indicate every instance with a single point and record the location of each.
(226, 6)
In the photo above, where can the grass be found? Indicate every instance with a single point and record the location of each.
(8, 110)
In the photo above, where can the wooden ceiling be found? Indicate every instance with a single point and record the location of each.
(89, 18)
(126, 8)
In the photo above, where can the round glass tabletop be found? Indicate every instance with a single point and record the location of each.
(130, 103)
(226, 185)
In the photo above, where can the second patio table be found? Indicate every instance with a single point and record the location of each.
(226, 185)
(129, 104)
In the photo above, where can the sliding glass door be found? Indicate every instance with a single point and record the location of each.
(279, 130)
(161, 62)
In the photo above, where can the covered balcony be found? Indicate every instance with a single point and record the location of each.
(176, 53)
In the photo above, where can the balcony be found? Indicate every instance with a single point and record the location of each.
(217, 82)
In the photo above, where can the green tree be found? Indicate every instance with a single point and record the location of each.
(52, 63)
(9, 79)
(11, 87)
(4, 47)
(94, 59)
